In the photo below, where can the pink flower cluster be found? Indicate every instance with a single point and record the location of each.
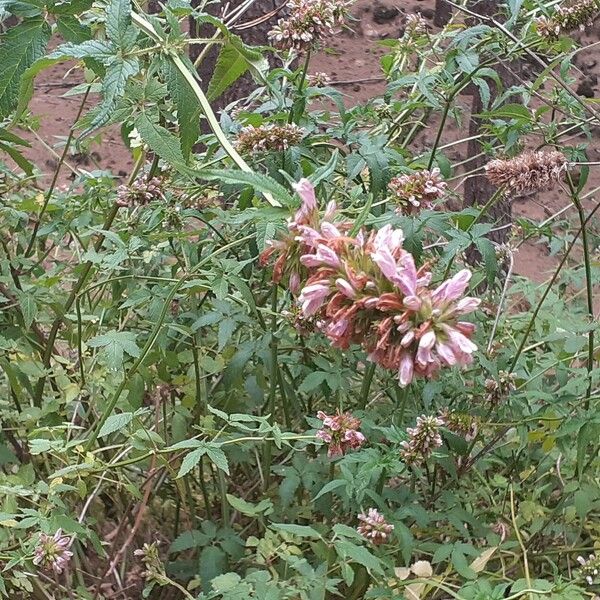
(52, 552)
(367, 290)
(374, 527)
(340, 431)
(417, 190)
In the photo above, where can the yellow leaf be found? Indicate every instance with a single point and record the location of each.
(479, 563)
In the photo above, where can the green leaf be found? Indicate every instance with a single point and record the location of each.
(261, 183)
(188, 108)
(114, 345)
(218, 458)
(118, 22)
(113, 87)
(358, 554)
(191, 460)
(115, 423)
(249, 509)
(459, 562)
(312, 381)
(72, 30)
(160, 140)
(28, 307)
(300, 530)
(20, 47)
(189, 539)
(19, 159)
(235, 58)
(211, 564)
(329, 487)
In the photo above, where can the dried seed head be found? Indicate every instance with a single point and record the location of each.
(415, 25)
(268, 138)
(139, 193)
(461, 424)
(569, 16)
(500, 388)
(417, 191)
(308, 22)
(374, 527)
(530, 171)
(319, 79)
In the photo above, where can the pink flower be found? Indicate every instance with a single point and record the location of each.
(313, 296)
(452, 288)
(374, 527)
(52, 552)
(340, 431)
(323, 256)
(306, 191)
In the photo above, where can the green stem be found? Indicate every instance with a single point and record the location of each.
(190, 78)
(39, 388)
(292, 116)
(589, 285)
(366, 385)
(61, 161)
(478, 217)
(548, 288)
(153, 336)
(273, 382)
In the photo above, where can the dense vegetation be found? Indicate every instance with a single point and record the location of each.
(282, 358)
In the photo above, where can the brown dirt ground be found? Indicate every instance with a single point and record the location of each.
(352, 61)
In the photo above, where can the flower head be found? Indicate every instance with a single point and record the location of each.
(462, 424)
(417, 191)
(139, 193)
(499, 389)
(268, 138)
(590, 568)
(423, 439)
(530, 171)
(308, 22)
(569, 16)
(305, 232)
(319, 79)
(340, 431)
(415, 25)
(52, 552)
(374, 527)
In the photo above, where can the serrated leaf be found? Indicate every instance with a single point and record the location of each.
(189, 539)
(249, 509)
(114, 345)
(299, 530)
(329, 487)
(261, 183)
(231, 65)
(459, 562)
(218, 458)
(115, 423)
(160, 140)
(358, 554)
(113, 87)
(20, 47)
(118, 22)
(19, 159)
(188, 108)
(312, 381)
(190, 460)
(72, 30)
(28, 307)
